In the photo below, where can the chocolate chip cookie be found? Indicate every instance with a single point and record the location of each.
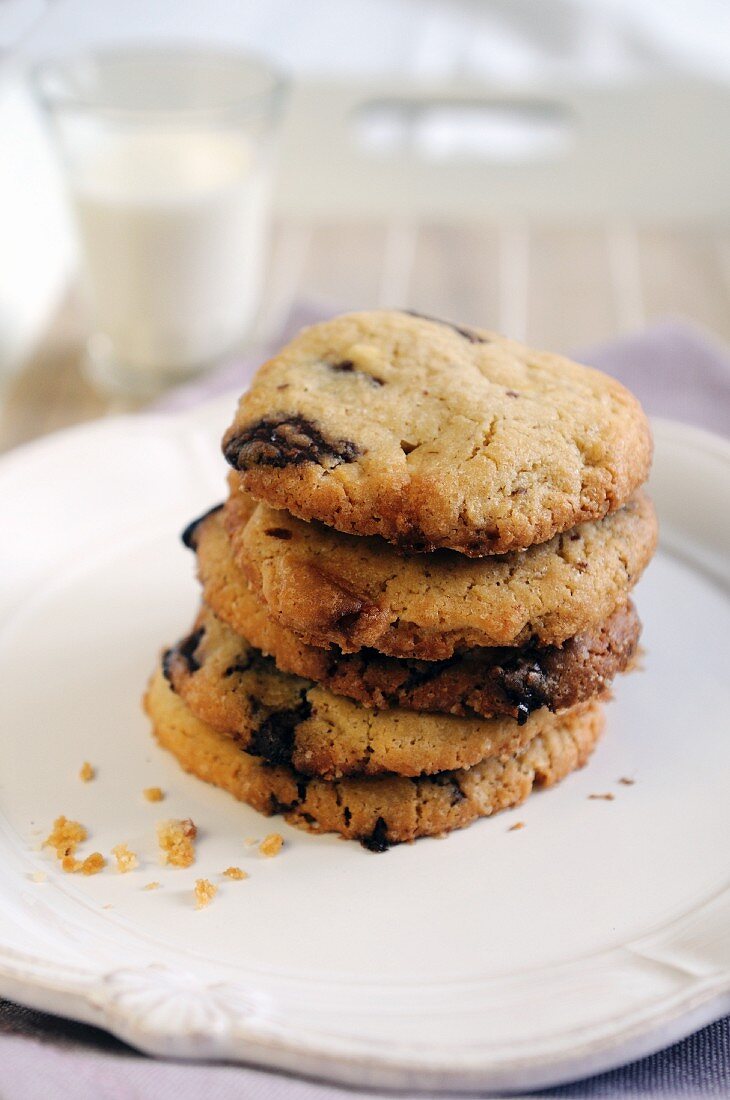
(434, 435)
(378, 811)
(286, 719)
(337, 590)
(484, 681)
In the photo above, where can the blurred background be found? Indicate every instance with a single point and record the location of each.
(558, 170)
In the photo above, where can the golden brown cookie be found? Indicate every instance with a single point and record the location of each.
(285, 719)
(338, 590)
(434, 435)
(484, 681)
(377, 811)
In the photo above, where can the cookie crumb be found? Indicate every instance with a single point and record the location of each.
(153, 794)
(204, 892)
(517, 825)
(65, 837)
(126, 859)
(271, 845)
(87, 773)
(38, 876)
(235, 873)
(151, 886)
(108, 906)
(92, 864)
(626, 782)
(249, 841)
(608, 797)
(176, 838)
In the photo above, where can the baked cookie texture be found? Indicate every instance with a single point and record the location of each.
(378, 811)
(338, 590)
(434, 435)
(285, 719)
(484, 681)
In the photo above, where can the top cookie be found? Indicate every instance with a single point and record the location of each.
(433, 435)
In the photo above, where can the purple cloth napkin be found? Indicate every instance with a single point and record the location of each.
(677, 372)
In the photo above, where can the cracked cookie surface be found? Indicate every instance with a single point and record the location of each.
(378, 811)
(338, 590)
(433, 435)
(486, 681)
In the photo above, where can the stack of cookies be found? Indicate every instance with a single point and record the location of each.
(417, 594)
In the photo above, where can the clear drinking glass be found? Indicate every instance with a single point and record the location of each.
(168, 157)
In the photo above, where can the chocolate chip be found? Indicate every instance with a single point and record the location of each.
(187, 647)
(347, 815)
(377, 841)
(447, 779)
(525, 683)
(581, 566)
(467, 333)
(283, 440)
(274, 738)
(302, 785)
(348, 367)
(167, 666)
(188, 535)
(282, 533)
(253, 661)
(278, 807)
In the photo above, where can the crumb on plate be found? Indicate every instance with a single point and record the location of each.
(236, 873)
(176, 838)
(89, 866)
(153, 794)
(626, 782)
(126, 859)
(204, 892)
(152, 886)
(87, 772)
(271, 845)
(517, 825)
(608, 797)
(65, 836)
(38, 876)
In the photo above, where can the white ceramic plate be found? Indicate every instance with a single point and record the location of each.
(491, 960)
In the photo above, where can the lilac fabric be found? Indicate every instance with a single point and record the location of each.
(677, 372)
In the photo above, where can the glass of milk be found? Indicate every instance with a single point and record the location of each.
(168, 157)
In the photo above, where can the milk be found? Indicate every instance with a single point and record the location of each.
(172, 234)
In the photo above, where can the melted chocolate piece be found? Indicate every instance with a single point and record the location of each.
(188, 535)
(187, 647)
(274, 739)
(467, 333)
(278, 807)
(525, 683)
(167, 666)
(378, 839)
(278, 533)
(283, 440)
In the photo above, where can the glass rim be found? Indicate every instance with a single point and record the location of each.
(275, 83)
